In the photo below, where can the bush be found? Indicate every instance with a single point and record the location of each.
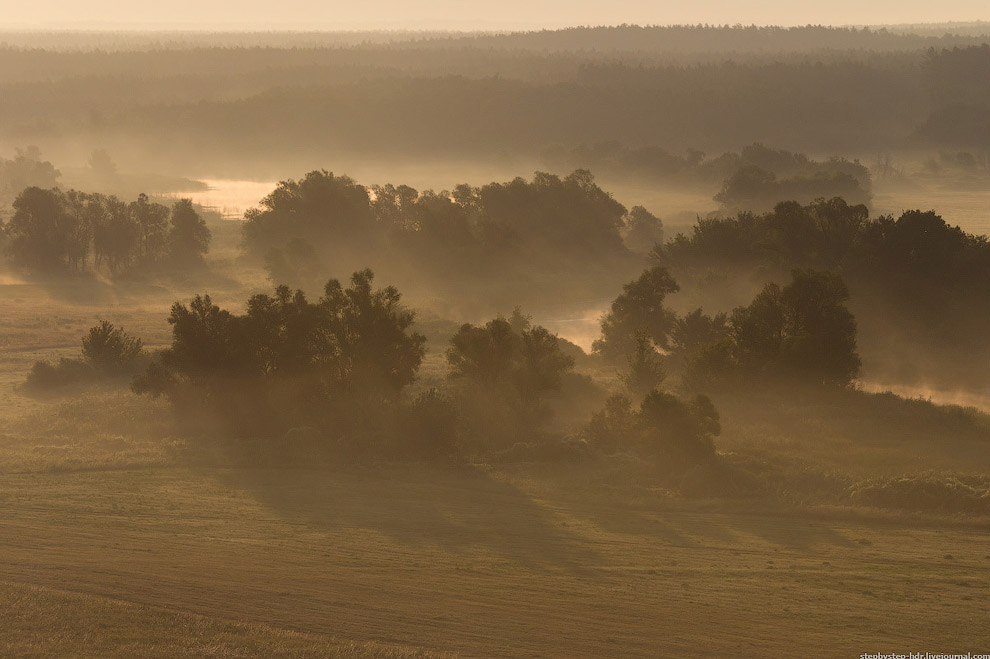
(106, 352)
(674, 432)
(46, 376)
(109, 350)
(931, 493)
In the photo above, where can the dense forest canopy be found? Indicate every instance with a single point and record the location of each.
(475, 96)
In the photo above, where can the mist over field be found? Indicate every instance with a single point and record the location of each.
(449, 334)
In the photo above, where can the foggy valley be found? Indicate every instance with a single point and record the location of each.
(609, 340)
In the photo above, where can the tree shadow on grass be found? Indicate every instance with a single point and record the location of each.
(454, 509)
(726, 529)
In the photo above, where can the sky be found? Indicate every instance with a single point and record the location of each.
(470, 14)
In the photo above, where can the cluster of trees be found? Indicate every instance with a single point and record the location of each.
(755, 189)
(753, 179)
(917, 256)
(471, 228)
(503, 373)
(24, 170)
(802, 331)
(340, 368)
(341, 365)
(915, 280)
(334, 364)
(53, 231)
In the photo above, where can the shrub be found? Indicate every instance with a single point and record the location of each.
(106, 352)
(675, 432)
(109, 350)
(930, 492)
(46, 376)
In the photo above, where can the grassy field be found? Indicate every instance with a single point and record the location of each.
(119, 538)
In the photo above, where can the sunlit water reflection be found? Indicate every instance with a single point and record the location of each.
(229, 197)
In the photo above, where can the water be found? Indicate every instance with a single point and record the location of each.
(230, 197)
(969, 210)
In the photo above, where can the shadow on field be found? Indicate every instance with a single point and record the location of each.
(453, 509)
(718, 529)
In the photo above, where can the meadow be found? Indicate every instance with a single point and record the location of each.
(122, 538)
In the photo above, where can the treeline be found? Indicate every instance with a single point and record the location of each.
(802, 332)
(555, 235)
(338, 369)
(958, 81)
(53, 231)
(461, 97)
(564, 224)
(918, 252)
(335, 371)
(736, 39)
(916, 280)
(753, 179)
(867, 107)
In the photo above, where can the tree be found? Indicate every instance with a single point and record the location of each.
(25, 170)
(505, 378)
(369, 329)
(116, 234)
(110, 350)
(694, 331)
(297, 264)
(44, 235)
(152, 219)
(485, 354)
(646, 371)
(820, 332)
(321, 208)
(189, 237)
(571, 215)
(638, 310)
(288, 360)
(103, 166)
(644, 230)
(803, 329)
(677, 430)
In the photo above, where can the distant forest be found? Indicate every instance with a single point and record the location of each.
(819, 90)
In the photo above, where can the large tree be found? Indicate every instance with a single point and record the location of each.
(803, 329)
(152, 218)
(189, 237)
(287, 360)
(638, 311)
(46, 235)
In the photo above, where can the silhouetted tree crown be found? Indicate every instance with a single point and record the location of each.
(189, 238)
(287, 360)
(638, 311)
(543, 218)
(53, 231)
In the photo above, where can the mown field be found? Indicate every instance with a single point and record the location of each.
(121, 538)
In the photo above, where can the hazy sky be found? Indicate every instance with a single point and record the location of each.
(471, 14)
